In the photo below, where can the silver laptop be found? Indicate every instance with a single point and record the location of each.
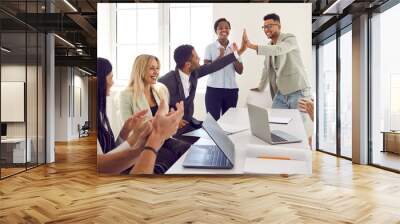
(219, 156)
(259, 125)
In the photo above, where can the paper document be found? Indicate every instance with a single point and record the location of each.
(233, 128)
(279, 120)
(274, 166)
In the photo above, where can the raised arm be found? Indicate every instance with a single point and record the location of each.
(216, 65)
(287, 44)
(283, 47)
(224, 61)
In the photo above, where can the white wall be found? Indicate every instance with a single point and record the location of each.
(15, 73)
(61, 103)
(295, 20)
(65, 119)
(33, 127)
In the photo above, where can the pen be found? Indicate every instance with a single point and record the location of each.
(273, 157)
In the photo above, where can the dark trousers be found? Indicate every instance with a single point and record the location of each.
(219, 100)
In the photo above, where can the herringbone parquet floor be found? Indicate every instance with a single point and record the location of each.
(70, 191)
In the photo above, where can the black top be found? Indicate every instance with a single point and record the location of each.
(154, 110)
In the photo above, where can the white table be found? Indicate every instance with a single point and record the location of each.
(19, 155)
(242, 141)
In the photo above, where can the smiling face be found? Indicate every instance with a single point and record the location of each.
(223, 30)
(152, 72)
(272, 28)
(194, 61)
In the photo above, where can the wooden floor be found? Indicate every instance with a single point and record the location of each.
(5, 172)
(387, 159)
(70, 191)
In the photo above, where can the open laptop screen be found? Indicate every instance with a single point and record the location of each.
(219, 137)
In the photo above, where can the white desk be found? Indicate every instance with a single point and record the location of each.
(18, 150)
(244, 138)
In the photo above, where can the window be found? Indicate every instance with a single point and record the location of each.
(346, 94)
(394, 101)
(327, 96)
(158, 29)
(385, 85)
(137, 33)
(196, 31)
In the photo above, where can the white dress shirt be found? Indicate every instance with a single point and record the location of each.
(185, 82)
(225, 77)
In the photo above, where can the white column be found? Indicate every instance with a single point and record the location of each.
(360, 90)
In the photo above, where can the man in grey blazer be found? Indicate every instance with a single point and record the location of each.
(283, 67)
(182, 82)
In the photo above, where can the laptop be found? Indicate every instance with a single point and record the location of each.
(219, 156)
(260, 128)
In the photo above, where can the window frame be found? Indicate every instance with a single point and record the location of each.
(164, 38)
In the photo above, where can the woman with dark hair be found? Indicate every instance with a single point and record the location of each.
(138, 149)
(222, 90)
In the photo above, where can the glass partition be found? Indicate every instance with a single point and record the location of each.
(327, 96)
(13, 103)
(385, 89)
(346, 94)
(22, 63)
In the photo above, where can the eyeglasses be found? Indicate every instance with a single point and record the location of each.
(269, 26)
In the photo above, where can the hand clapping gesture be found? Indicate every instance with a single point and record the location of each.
(132, 124)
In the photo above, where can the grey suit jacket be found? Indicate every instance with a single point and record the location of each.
(173, 82)
(287, 63)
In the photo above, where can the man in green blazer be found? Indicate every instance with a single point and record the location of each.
(283, 67)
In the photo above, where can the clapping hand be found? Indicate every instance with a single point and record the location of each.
(132, 123)
(164, 124)
(221, 52)
(138, 139)
(183, 123)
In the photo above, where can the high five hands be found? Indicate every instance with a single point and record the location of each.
(247, 41)
(243, 45)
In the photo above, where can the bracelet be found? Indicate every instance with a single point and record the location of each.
(151, 149)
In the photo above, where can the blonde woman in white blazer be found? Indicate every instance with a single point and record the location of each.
(145, 93)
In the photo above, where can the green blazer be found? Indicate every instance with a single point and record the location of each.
(287, 63)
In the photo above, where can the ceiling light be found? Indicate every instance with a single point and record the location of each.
(64, 40)
(337, 7)
(86, 72)
(70, 5)
(5, 50)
